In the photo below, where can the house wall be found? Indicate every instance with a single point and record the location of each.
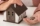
(5, 15)
(16, 18)
(22, 16)
(10, 15)
(19, 18)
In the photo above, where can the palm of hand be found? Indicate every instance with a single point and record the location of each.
(37, 15)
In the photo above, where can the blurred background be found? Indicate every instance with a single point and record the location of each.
(31, 5)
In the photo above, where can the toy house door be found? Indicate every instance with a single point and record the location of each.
(10, 15)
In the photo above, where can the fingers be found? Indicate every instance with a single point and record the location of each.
(38, 15)
(25, 20)
(19, 2)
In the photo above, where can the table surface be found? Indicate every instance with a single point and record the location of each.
(29, 12)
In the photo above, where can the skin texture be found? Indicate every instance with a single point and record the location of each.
(36, 2)
(6, 4)
(38, 8)
(1, 2)
(36, 15)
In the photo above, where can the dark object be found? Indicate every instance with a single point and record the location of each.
(19, 9)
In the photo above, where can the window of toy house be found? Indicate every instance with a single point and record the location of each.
(12, 13)
(8, 13)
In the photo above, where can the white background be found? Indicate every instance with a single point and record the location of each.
(28, 2)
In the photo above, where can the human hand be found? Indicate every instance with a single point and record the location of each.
(1, 1)
(36, 20)
(19, 2)
(38, 15)
(37, 9)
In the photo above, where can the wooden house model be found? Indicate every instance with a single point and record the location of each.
(15, 13)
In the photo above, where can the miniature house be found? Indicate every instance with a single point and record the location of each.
(15, 13)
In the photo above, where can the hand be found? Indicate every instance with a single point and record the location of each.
(37, 9)
(16, 2)
(38, 15)
(1, 2)
(36, 20)
(28, 21)
(19, 2)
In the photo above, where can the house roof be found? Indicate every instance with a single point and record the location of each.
(19, 9)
